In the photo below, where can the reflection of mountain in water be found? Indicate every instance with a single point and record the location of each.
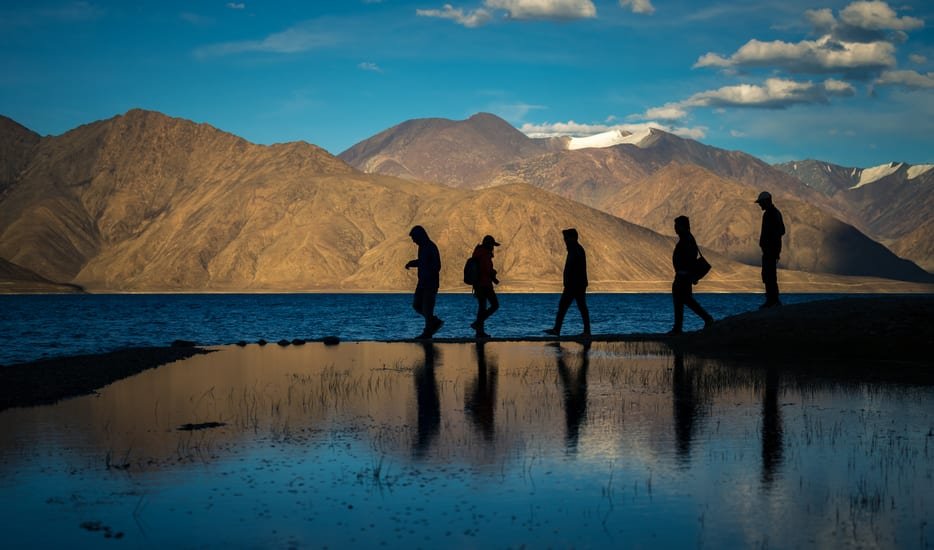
(482, 405)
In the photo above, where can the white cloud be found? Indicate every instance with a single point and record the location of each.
(670, 111)
(823, 55)
(576, 129)
(370, 66)
(469, 19)
(877, 16)
(737, 133)
(297, 39)
(774, 93)
(236, 5)
(912, 80)
(917, 59)
(514, 9)
(639, 6)
(545, 9)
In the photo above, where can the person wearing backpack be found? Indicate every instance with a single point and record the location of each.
(685, 260)
(484, 279)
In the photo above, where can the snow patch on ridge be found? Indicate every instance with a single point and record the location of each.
(876, 173)
(918, 170)
(609, 139)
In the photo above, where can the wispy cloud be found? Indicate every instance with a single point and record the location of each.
(370, 66)
(195, 19)
(917, 59)
(236, 5)
(638, 6)
(469, 19)
(518, 10)
(545, 9)
(69, 12)
(297, 39)
(577, 129)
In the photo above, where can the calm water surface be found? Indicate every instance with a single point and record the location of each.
(33, 327)
(462, 446)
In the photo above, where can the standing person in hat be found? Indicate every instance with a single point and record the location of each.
(770, 241)
(483, 288)
(429, 279)
(575, 284)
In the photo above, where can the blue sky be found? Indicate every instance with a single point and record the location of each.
(847, 82)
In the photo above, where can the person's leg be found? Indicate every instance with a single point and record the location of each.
(770, 278)
(563, 304)
(432, 323)
(677, 299)
(417, 300)
(691, 302)
(494, 304)
(581, 298)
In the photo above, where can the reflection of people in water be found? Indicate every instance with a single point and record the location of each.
(575, 395)
(772, 431)
(480, 399)
(687, 408)
(427, 403)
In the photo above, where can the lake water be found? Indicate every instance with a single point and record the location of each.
(502, 445)
(33, 327)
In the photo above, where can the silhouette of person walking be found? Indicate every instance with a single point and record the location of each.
(683, 259)
(575, 284)
(770, 241)
(429, 277)
(483, 288)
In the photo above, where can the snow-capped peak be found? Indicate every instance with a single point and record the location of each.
(876, 173)
(609, 139)
(918, 170)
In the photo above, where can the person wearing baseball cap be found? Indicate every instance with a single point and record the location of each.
(770, 241)
(487, 302)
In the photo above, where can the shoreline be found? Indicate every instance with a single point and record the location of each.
(851, 331)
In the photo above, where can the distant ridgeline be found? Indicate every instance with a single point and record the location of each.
(146, 202)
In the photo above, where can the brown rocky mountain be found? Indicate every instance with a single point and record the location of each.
(723, 219)
(891, 203)
(603, 177)
(16, 146)
(144, 202)
(459, 153)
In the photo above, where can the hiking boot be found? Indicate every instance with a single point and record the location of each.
(552, 331)
(674, 332)
(436, 325)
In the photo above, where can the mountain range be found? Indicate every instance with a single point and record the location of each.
(146, 202)
(648, 179)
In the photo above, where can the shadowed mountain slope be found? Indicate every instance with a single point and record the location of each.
(16, 145)
(891, 203)
(458, 153)
(723, 218)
